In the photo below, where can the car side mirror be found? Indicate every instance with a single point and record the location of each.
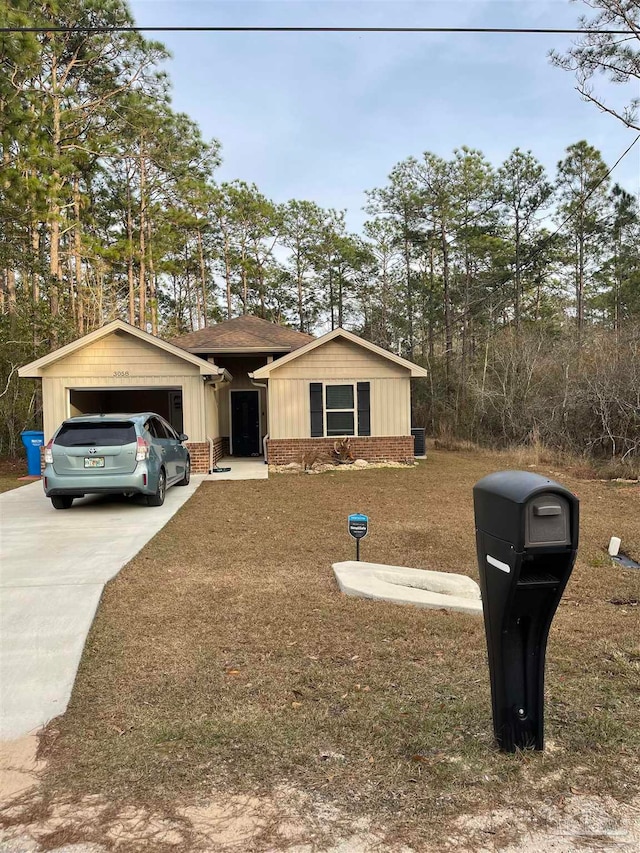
(183, 437)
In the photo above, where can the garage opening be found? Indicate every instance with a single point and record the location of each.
(166, 402)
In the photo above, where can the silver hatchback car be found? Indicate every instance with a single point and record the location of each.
(115, 454)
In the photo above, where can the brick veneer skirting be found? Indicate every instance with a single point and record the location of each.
(378, 448)
(199, 451)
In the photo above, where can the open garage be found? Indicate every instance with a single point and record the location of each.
(122, 369)
(104, 401)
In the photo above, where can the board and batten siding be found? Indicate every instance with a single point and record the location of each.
(120, 361)
(339, 359)
(289, 409)
(122, 352)
(336, 362)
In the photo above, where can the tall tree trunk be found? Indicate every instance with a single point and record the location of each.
(331, 303)
(407, 262)
(8, 300)
(73, 299)
(465, 321)
(10, 278)
(188, 293)
(35, 285)
(54, 211)
(263, 309)
(142, 287)
(431, 299)
(77, 259)
(300, 295)
(227, 275)
(448, 334)
(203, 279)
(384, 310)
(580, 282)
(153, 289)
(518, 292)
(130, 274)
(245, 284)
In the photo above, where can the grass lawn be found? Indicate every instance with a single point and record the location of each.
(10, 470)
(223, 658)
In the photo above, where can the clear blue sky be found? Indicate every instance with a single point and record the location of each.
(324, 116)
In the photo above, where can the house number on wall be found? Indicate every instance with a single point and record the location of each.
(120, 372)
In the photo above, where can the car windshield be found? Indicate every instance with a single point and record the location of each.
(101, 434)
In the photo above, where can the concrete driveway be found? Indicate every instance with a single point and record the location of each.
(53, 567)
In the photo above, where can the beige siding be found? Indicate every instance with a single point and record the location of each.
(289, 405)
(212, 412)
(339, 359)
(56, 406)
(121, 361)
(120, 353)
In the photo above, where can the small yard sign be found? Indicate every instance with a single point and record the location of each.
(358, 526)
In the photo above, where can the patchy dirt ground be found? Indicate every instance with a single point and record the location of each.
(13, 473)
(230, 698)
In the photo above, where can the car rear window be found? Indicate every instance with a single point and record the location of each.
(93, 435)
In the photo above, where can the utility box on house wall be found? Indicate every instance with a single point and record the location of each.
(527, 540)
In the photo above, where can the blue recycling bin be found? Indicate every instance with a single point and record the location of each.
(33, 440)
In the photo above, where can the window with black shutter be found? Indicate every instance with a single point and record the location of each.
(317, 415)
(364, 408)
(340, 409)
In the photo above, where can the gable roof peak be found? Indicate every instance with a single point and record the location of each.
(414, 369)
(35, 367)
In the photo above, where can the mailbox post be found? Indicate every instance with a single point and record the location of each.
(527, 540)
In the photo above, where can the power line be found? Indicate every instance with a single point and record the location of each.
(263, 29)
(594, 188)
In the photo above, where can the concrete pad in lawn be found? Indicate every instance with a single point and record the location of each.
(53, 567)
(403, 585)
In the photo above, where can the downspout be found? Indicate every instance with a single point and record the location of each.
(266, 438)
(221, 379)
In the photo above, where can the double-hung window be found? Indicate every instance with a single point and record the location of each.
(339, 409)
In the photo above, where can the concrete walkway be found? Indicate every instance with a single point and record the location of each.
(53, 566)
(249, 468)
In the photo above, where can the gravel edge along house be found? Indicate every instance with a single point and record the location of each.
(243, 387)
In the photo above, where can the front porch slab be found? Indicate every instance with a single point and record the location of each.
(242, 468)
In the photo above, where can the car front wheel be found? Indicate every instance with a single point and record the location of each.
(158, 498)
(61, 502)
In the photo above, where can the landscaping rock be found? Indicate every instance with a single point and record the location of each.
(360, 463)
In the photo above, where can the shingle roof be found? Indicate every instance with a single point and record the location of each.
(241, 333)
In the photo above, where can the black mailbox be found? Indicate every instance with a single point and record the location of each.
(527, 539)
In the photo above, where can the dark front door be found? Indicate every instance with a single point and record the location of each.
(245, 423)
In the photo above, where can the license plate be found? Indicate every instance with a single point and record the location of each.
(94, 462)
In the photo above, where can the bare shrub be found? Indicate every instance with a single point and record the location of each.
(544, 391)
